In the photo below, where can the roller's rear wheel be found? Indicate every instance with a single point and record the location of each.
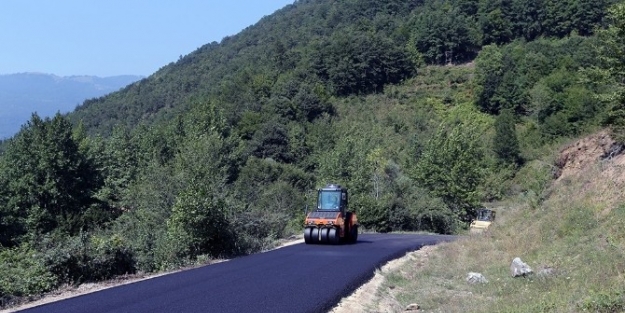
(353, 234)
(333, 236)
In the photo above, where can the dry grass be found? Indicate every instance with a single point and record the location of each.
(579, 230)
(377, 295)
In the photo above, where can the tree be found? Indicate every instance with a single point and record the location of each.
(588, 14)
(505, 142)
(444, 36)
(468, 7)
(528, 18)
(198, 224)
(496, 27)
(12, 219)
(451, 167)
(558, 21)
(488, 77)
(271, 141)
(582, 16)
(309, 105)
(611, 71)
(119, 166)
(49, 183)
(355, 62)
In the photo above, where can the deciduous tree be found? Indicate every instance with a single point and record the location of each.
(451, 167)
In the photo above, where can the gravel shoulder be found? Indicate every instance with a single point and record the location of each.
(377, 295)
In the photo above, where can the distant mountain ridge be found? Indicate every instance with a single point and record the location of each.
(22, 94)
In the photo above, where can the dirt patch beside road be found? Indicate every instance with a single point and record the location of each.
(377, 295)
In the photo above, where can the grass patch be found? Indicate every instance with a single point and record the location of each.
(575, 225)
(605, 301)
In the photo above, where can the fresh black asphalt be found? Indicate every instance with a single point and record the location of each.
(297, 278)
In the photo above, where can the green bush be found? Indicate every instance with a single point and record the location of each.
(110, 257)
(498, 184)
(534, 178)
(23, 273)
(88, 257)
(198, 224)
(144, 234)
(372, 215)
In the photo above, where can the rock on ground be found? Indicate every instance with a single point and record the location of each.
(476, 278)
(519, 268)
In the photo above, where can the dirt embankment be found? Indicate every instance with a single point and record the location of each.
(584, 153)
(599, 162)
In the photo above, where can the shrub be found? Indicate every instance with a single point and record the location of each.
(88, 257)
(534, 178)
(198, 224)
(23, 273)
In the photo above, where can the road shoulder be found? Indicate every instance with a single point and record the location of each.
(377, 295)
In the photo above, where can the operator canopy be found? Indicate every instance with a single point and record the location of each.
(485, 215)
(329, 200)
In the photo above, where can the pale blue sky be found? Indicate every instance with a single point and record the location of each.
(116, 37)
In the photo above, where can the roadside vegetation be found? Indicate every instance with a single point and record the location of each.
(423, 110)
(572, 239)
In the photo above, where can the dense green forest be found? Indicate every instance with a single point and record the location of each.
(423, 109)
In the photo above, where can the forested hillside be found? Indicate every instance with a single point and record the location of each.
(423, 109)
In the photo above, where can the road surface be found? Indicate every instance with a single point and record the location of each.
(297, 278)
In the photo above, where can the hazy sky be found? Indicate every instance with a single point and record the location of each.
(116, 37)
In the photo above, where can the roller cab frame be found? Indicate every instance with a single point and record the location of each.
(485, 217)
(331, 222)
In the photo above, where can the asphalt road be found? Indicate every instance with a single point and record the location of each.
(298, 278)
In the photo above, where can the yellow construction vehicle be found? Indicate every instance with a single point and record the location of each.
(331, 222)
(482, 221)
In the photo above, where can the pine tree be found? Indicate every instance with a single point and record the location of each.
(48, 183)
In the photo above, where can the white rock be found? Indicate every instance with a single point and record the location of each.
(476, 278)
(412, 307)
(519, 268)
